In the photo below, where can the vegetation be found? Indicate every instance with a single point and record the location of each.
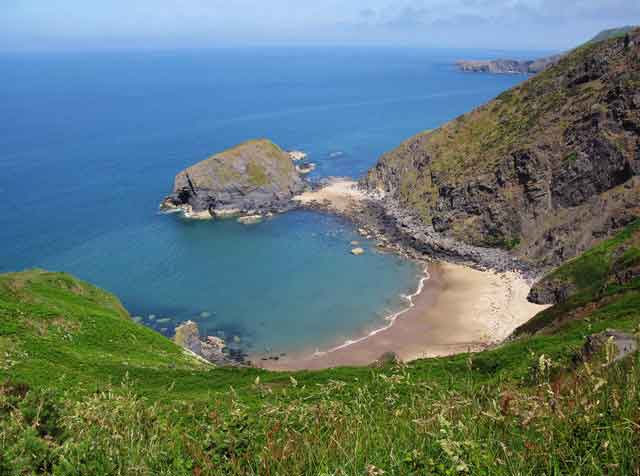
(612, 33)
(603, 282)
(87, 391)
(251, 164)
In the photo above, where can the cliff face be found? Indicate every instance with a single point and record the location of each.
(544, 170)
(251, 177)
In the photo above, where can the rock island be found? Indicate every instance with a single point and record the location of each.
(254, 178)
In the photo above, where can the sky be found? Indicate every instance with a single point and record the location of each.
(168, 24)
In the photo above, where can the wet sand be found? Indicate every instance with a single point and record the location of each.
(460, 309)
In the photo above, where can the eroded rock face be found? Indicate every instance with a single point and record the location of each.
(253, 177)
(544, 171)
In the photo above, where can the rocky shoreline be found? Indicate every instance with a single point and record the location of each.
(394, 230)
(380, 218)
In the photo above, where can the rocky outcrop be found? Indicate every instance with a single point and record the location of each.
(212, 348)
(256, 177)
(542, 172)
(507, 66)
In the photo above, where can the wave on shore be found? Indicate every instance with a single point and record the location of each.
(391, 319)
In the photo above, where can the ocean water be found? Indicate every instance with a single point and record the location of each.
(90, 143)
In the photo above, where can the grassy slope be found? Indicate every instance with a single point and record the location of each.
(264, 161)
(511, 410)
(597, 278)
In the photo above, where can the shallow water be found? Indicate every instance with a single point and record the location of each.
(89, 144)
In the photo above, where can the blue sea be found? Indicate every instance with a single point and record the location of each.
(90, 143)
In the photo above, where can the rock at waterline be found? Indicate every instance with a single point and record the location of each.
(188, 336)
(213, 349)
(254, 177)
(357, 251)
(250, 219)
(297, 155)
(306, 168)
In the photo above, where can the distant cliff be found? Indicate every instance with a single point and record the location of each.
(507, 66)
(254, 177)
(543, 171)
(511, 66)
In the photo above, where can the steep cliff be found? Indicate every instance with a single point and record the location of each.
(543, 171)
(252, 177)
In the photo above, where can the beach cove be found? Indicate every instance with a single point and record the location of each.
(287, 284)
(455, 309)
(459, 309)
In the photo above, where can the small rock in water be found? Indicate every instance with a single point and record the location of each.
(250, 219)
(236, 339)
(355, 243)
(205, 314)
(357, 251)
(306, 168)
(297, 155)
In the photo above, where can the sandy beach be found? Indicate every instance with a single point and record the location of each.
(338, 195)
(460, 309)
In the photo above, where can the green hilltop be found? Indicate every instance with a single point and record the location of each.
(612, 33)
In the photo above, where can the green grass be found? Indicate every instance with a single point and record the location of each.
(257, 175)
(88, 391)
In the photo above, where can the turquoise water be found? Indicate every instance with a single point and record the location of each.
(89, 145)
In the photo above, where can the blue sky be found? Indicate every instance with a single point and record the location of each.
(503, 24)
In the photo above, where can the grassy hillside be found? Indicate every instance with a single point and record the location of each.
(85, 390)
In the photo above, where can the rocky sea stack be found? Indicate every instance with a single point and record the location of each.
(256, 177)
